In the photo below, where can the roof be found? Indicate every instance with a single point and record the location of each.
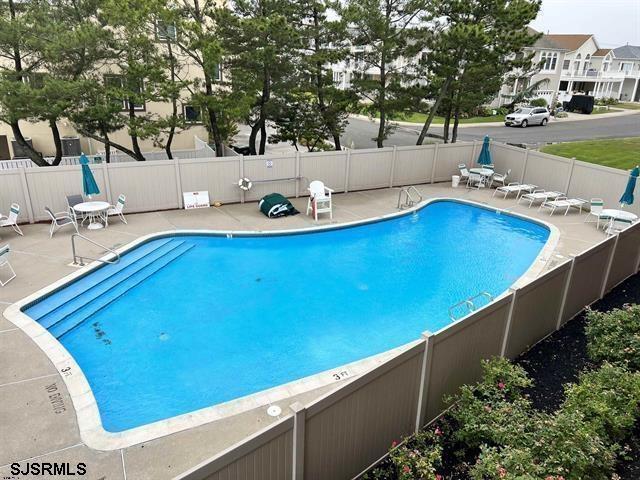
(627, 51)
(569, 42)
(601, 52)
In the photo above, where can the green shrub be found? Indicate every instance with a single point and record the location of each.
(615, 336)
(502, 111)
(562, 446)
(608, 398)
(494, 410)
(562, 115)
(538, 102)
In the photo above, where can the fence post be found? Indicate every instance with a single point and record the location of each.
(424, 379)
(107, 183)
(566, 186)
(27, 195)
(299, 421)
(241, 160)
(394, 154)
(524, 166)
(609, 263)
(565, 292)
(347, 167)
(435, 160)
(297, 174)
(507, 328)
(176, 166)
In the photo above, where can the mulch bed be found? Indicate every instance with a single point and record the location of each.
(553, 362)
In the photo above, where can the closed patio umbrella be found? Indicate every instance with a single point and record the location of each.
(89, 185)
(485, 154)
(627, 196)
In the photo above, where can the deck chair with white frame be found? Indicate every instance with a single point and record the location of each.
(500, 178)
(117, 209)
(515, 187)
(319, 199)
(540, 195)
(59, 220)
(12, 219)
(4, 264)
(597, 205)
(464, 172)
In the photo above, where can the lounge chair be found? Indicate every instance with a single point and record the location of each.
(500, 178)
(4, 263)
(563, 202)
(59, 220)
(319, 199)
(515, 187)
(72, 201)
(464, 172)
(597, 205)
(539, 195)
(12, 219)
(117, 209)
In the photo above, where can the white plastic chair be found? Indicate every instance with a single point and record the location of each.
(464, 172)
(4, 263)
(12, 219)
(475, 180)
(117, 209)
(597, 205)
(72, 201)
(59, 220)
(319, 199)
(616, 225)
(500, 178)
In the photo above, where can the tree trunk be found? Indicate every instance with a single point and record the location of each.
(107, 142)
(57, 142)
(263, 136)
(213, 118)
(174, 102)
(134, 137)
(447, 121)
(336, 141)
(255, 128)
(107, 146)
(34, 156)
(381, 104)
(456, 120)
(432, 113)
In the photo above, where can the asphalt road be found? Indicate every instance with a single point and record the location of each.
(360, 132)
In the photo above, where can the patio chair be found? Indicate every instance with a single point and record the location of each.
(464, 172)
(117, 209)
(616, 225)
(59, 220)
(515, 187)
(4, 263)
(475, 180)
(12, 219)
(539, 195)
(563, 202)
(597, 205)
(72, 201)
(500, 178)
(319, 199)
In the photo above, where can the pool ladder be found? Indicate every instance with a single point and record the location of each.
(79, 260)
(470, 303)
(409, 200)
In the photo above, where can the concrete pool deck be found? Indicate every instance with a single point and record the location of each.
(37, 419)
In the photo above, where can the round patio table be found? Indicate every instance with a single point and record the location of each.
(485, 172)
(619, 214)
(94, 211)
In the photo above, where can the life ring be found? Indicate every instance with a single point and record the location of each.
(245, 184)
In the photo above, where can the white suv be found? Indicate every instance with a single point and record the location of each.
(525, 116)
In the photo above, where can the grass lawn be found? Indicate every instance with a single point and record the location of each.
(600, 110)
(621, 153)
(630, 106)
(421, 117)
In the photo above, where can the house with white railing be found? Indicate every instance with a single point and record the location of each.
(569, 64)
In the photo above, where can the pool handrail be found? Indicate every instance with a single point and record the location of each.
(77, 257)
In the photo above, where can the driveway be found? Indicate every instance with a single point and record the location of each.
(361, 132)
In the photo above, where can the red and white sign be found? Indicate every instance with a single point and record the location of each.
(196, 200)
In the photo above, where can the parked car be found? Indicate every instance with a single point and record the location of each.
(525, 116)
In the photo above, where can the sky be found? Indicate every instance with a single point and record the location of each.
(613, 22)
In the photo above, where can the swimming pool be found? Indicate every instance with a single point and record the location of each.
(188, 321)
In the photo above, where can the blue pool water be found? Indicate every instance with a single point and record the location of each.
(186, 322)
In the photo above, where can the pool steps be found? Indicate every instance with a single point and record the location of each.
(68, 314)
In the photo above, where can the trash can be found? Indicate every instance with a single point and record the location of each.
(455, 180)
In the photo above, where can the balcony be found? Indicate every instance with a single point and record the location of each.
(593, 74)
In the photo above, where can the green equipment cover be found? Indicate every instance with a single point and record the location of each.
(276, 205)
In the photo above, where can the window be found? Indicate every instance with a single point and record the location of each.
(626, 67)
(116, 84)
(605, 66)
(217, 72)
(192, 113)
(337, 77)
(566, 64)
(166, 31)
(548, 61)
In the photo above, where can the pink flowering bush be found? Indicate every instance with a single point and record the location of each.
(615, 336)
